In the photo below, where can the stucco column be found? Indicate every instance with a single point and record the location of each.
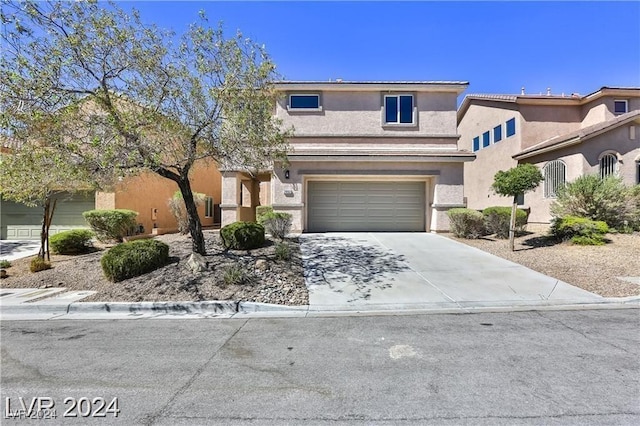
(230, 197)
(287, 195)
(448, 193)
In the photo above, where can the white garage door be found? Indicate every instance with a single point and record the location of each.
(365, 206)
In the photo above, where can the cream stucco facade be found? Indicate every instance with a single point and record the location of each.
(576, 130)
(346, 136)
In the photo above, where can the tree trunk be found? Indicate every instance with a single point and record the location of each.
(195, 227)
(44, 230)
(52, 210)
(512, 224)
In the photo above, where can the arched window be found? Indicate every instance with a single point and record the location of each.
(555, 177)
(608, 165)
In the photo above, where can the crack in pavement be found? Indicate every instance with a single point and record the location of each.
(151, 419)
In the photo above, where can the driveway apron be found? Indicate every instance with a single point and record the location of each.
(404, 270)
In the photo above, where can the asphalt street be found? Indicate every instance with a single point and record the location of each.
(556, 367)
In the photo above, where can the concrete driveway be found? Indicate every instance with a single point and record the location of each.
(420, 270)
(16, 249)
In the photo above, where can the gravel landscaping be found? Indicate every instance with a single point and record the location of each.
(594, 268)
(269, 280)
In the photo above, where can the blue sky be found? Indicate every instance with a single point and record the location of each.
(497, 46)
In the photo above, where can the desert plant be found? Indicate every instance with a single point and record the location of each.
(39, 264)
(71, 242)
(466, 223)
(134, 258)
(236, 275)
(242, 235)
(579, 230)
(608, 200)
(277, 224)
(4, 264)
(261, 211)
(497, 220)
(514, 182)
(178, 209)
(111, 224)
(283, 251)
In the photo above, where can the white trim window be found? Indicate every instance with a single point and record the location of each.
(304, 102)
(608, 165)
(399, 109)
(555, 177)
(620, 106)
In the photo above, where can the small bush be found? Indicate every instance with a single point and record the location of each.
(283, 251)
(179, 210)
(4, 264)
(71, 242)
(242, 235)
(466, 223)
(261, 211)
(579, 230)
(498, 219)
(39, 264)
(277, 224)
(134, 258)
(111, 224)
(236, 275)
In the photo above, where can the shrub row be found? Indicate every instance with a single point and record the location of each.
(468, 223)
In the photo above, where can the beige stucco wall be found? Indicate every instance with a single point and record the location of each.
(478, 174)
(540, 123)
(149, 191)
(602, 109)
(360, 113)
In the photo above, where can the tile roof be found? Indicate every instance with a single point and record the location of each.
(577, 136)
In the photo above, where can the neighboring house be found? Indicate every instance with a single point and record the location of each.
(366, 156)
(565, 136)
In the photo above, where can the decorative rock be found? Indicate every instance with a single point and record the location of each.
(261, 265)
(196, 263)
(3, 273)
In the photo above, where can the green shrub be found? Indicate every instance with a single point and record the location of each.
(608, 200)
(4, 264)
(39, 264)
(242, 235)
(466, 223)
(134, 258)
(71, 242)
(261, 211)
(283, 251)
(579, 230)
(236, 275)
(498, 219)
(111, 224)
(277, 224)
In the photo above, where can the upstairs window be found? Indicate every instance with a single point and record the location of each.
(608, 165)
(620, 107)
(486, 139)
(511, 127)
(555, 177)
(476, 143)
(304, 102)
(398, 109)
(497, 133)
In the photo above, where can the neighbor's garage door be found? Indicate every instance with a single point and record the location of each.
(365, 206)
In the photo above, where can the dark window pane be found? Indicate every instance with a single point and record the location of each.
(476, 143)
(305, 101)
(391, 109)
(511, 127)
(520, 199)
(620, 107)
(485, 139)
(497, 134)
(406, 109)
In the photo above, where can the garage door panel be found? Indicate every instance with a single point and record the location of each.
(366, 206)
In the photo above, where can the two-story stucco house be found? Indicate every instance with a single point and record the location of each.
(366, 156)
(566, 136)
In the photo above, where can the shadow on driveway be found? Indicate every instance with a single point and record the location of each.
(336, 262)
